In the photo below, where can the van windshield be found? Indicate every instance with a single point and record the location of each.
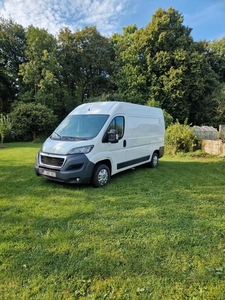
(79, 127)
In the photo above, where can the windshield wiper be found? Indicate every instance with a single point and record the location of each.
(55, 133)
(72, 138)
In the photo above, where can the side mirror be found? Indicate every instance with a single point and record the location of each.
(113, 136)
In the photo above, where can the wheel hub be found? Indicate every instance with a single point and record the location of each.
(103, 177)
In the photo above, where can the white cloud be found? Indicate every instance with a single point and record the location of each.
(75, 14)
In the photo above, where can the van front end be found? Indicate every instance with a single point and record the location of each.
(73, 168)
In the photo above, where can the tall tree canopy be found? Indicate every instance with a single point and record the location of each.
(216, 55)
(40, 70)
(85, 57)
(160, 63)
(70, 69)
(12, 44)
(95, 55)
(129, 74)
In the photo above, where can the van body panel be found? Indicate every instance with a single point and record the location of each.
(63, 147)
(78, 149)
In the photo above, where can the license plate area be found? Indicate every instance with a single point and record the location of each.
(48, 173)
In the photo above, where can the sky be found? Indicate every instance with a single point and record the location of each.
(205, 17)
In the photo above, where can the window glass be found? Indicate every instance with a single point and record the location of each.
(118, 124)
(79, 127)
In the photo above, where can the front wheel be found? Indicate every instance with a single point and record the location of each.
(154, 161)
(101, 175)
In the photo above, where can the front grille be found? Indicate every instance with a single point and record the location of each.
(52, 161)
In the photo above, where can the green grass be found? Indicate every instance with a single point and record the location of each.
(149, 234)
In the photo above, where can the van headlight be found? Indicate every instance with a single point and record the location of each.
(84, 149)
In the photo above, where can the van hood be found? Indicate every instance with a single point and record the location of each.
(51, 146)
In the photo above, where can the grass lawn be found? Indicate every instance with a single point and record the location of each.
(149, 234)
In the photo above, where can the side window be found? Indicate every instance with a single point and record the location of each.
(118, 124)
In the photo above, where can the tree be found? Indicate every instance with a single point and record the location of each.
(162, 63)
(41, 70)
(85, 60)
(30, 119)
(12, 43)
(70, 73)
(219, 95)
(178, 74)
(5, 127)
(129, 74)
(216, 57)
(95, 55)
(217, 107)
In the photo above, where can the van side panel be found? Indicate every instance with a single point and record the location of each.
(143, 135)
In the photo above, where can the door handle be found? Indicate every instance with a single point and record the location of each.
(124, 143)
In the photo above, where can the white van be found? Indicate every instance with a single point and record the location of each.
(97, 140)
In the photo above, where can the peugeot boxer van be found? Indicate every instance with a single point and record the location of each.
(97, 140)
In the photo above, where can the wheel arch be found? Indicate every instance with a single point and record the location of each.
(107, 162)
(155, 151)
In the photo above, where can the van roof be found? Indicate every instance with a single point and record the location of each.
(116, 107)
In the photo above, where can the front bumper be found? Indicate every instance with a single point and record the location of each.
(75, 169)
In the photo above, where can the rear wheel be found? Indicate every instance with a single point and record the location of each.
(101, 175)
(154, 161)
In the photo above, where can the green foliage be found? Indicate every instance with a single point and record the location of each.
(12, 43)
(5, 127)
(167, 118)
(217, 104)
(95, 53)
(105, 97)
(219, 98)
(216, 57)
(179, 76)
(153, 103)
(160, 62)
(168, 45)
(180, 137)
(129, 75)
(30, 119)
(40, 71)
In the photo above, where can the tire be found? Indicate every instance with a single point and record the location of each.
(100, 176)
(154, 161)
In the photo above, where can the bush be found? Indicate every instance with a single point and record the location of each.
(167, 118)
(5, 127)
(181, 138)
(30, 120)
